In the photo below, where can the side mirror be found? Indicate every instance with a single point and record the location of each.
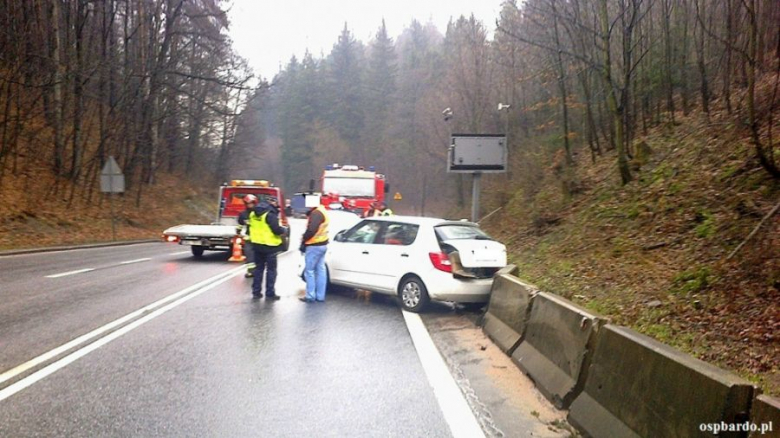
(340, 236)
(387, 188)
(311, 185)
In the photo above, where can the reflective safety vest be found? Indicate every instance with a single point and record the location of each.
(322, 232)
(260, 232)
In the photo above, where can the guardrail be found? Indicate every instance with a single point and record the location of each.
(615, 381)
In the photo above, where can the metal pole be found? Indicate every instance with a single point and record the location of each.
(111, 203)
(506, 134)
(475, 196)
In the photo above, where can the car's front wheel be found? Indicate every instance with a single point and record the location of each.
(413, 294)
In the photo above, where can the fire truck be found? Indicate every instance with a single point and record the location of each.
(225, 231)
(353, 187)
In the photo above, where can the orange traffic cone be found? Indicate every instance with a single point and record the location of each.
(238, 250)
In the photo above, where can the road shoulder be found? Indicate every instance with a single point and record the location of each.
(504, 400)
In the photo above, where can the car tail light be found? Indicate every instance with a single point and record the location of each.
(441, 261)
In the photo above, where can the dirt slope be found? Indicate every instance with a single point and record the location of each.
(652, 255)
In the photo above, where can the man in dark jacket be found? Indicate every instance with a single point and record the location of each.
(314, 245)
(266, 233)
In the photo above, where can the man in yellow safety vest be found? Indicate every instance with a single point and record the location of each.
(314, 245)
(265, 233)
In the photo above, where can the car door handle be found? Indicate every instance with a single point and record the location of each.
(404, 255)
(365, 252)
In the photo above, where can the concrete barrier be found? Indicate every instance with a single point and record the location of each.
(765, 413)
(556, 346)
(510, 300)
(638, 387)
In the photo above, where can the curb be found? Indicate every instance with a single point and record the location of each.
(71, 247)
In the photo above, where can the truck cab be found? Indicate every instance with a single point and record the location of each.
(222, 234)
(354, 188)
(231, 199)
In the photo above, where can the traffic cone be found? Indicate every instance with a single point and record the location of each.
(238, 250)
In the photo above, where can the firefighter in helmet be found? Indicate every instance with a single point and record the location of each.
(383, 210)
(250, 202)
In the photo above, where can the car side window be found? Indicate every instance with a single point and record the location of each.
(365, 232)
(399, 234)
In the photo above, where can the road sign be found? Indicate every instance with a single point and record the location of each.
(477, 154)
(112, 180)
(398, 196)
(469, 153)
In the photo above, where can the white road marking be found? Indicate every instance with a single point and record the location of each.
(64, 274)
(10, 374)
(179, 253)
(453, 404)
(134, 261)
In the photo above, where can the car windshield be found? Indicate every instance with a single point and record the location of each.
(364, 232)
(354, 187)
(460, 232)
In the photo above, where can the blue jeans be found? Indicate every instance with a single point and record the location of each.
(315, 273)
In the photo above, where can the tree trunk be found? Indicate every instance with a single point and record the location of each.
(562, 86)
(612, 101)
(766, 159)
(78, 95)
(669, 82)
(57, 103)
(700, 56)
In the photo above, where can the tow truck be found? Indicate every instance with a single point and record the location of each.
(222, 234)
(353, 187)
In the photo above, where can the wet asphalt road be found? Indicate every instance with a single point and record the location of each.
(210, 361)
(220, 364)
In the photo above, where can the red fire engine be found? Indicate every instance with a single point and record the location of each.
(355, 188)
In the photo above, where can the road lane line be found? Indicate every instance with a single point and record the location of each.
(13, 372)
(67, 360)
(179, 253)
(135, 261)
(65, 274)
(453, 404)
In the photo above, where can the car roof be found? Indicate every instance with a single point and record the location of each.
(421, 220)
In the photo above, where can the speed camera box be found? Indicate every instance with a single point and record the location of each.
(477, 153)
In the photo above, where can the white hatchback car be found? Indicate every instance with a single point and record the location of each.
(417, 258)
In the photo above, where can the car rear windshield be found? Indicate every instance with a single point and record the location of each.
(460, 232)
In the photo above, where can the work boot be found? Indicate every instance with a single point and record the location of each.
(249, 273)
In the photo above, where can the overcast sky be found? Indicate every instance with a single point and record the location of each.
(269, 32)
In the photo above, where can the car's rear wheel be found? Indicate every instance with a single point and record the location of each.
(413, 294)
(198, 251)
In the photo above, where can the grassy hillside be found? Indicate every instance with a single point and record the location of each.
(652, 255)
(33, 215)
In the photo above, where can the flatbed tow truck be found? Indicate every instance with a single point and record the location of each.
(222, 234)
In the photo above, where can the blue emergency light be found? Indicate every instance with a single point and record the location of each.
(371, 168)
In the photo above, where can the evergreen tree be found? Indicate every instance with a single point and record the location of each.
(346, 100)
(381, 92)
